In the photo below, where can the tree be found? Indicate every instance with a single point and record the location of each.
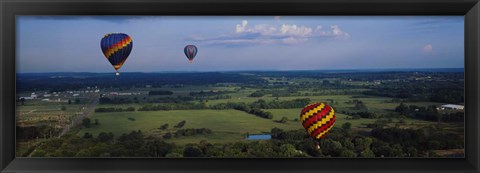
(164, 126)
(86, 122)
(192, 151)
(288, 150)
(96, 122)
(130, 109)
(360, 106)
(348, 153)
(158, 148)
(346, 143)
(180, 124)
(412, 152)
(132, 141)
(402, 108)
(367, 153)
(283, 120)
(105, 137)
(277, 133)
(69, 101)
(384, 151)
(330, 147)
(22, 100)
(362, 143)
(167, 135)
(347, 126)
(87, 136)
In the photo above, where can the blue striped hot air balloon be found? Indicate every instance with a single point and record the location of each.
(116, 47)
(190, 51)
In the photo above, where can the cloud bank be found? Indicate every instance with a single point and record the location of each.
(289, 34)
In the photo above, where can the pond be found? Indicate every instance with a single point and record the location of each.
(259, 137)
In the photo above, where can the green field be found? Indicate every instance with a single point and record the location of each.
(39, 112)
(292, 114)
(205, 105)
(227, 125)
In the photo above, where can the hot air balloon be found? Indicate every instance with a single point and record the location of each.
(190, 51)
(317, 119)
(116, 47)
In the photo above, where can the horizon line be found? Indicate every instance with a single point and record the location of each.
(339, 69)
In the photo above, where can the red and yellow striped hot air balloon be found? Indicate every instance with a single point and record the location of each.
(317, 119)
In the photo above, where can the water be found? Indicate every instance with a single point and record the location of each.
(259, 137)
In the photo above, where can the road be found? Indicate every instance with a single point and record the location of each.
(78, 119)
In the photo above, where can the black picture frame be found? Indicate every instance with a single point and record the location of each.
(9, 9)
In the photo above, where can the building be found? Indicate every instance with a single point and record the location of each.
(32, 96)
(124, 94)
(452, 107)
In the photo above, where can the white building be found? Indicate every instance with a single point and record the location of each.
(452, 107)
(124, 94)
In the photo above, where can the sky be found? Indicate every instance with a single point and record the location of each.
(241, 43)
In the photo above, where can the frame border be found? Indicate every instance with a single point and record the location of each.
(10, 8)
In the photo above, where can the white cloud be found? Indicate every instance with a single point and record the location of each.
(293, 40)
(271, 34)
(293, 30)
(428, 48)
(241, 27)
(337, 32)
(262, 28)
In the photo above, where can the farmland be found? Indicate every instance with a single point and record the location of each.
(187, 110)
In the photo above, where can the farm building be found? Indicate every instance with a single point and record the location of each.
(452, 107)
(32, 96)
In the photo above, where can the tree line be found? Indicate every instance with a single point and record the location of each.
(340, 142)
(429, 113)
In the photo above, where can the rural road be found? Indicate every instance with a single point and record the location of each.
(78, 119)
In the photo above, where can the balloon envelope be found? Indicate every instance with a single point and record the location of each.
(116, 47)
(317, 119)
(190, 51)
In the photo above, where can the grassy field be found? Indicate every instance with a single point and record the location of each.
(227, 125)
(291, 114)
(232, 125)
(39, 113)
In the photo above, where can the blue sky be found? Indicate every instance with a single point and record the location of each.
(230, 43)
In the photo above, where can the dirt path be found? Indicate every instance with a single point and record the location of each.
(29, 112)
